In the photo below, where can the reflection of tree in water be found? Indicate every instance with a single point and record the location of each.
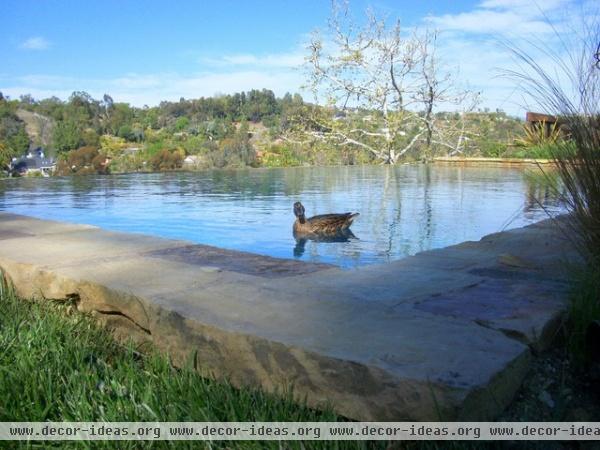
(252, 183)
(394, 223)
(423, 216)
(543, 191)
(426, 230)
(397, 212)
(81, 188)
(3, 190)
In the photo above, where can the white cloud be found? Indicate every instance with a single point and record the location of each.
(150, 89)
(526, 6)
(35, 43)
(290, 59)
(225, 74)
(137, 81)
(487, 21)
(505, 17)
(479, 41)
(478, 66)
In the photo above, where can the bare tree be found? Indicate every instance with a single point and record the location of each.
(453, 135)
(375, 81)
(436, 87)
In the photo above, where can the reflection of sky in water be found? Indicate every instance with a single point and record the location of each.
(404, 209)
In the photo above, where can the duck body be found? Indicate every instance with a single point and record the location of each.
(322, 225)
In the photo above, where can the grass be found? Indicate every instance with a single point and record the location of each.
(571, 91)
(539, 151)
(584, 308)
(576, 102)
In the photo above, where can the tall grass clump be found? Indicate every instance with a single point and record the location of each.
(564, 81)
(571, 91)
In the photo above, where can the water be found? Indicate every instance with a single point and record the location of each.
(403, 209)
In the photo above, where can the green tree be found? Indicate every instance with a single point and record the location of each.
(182, 123)
(122, 115)
(236, 151)
(13, 136)
(6, 156)
(90, 138)
(83, 110)
(125, 132)
(51, 107)
(66, 136)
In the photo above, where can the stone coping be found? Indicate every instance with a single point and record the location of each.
(446, 334)
(493, 161)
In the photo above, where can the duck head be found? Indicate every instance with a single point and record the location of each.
(299, 211)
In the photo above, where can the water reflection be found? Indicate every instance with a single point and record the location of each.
(339, 237)
(403, 209)
(543, 191)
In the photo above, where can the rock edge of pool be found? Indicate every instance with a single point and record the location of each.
(445, 334)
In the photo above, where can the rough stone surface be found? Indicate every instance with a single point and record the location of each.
(445, 334)
(249, 263)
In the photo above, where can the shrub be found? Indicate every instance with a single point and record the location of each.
(167, 160)
(152, 148)
(540, 135)
(578, 159)
(282, 156)
(83, 161)
(90, 138)
(492, 149)
(182, 123)
(237, 152)
(542, 151)
(125, 132)
(6, 155)
(193, 144)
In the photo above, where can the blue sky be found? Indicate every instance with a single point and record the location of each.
(147, 51)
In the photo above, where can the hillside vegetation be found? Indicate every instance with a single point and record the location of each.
(252, 128)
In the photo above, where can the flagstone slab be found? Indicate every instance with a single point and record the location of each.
(442, 335)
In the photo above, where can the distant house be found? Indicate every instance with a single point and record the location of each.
(32, 163)
(192, 161)
(546, 122)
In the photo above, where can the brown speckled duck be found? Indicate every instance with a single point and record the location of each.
(325, 224)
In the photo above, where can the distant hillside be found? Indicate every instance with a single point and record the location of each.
(38, 127)
(246, 129)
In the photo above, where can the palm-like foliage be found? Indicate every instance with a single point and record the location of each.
(537, 135)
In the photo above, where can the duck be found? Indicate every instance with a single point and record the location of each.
(322, 225)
